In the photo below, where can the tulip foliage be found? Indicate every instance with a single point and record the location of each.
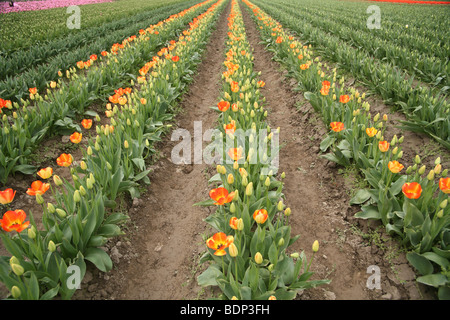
(413, 204)
(82, 217)
(247, 255)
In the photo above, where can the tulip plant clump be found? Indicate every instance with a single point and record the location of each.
(248, 255)
(412, 205)
(77, 222)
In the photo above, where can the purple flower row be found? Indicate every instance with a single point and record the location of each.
(42, 5)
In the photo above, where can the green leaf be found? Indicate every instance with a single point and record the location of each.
(422, 264)
(209, 276)
(361, 196)
(99, 258)
(205, 203)
(434, 280)
(368, 212)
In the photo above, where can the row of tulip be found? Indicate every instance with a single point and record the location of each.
(77, 221)
(39, 64)
(411, 205)
(248, 253)
(54, 111)
(426, 109)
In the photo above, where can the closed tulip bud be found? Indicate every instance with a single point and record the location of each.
(437, 161)
(244, 181)
(76, 196)
(258, 258)
(108, 166)
(233, 250)
(315, 246)
(395, 150)
(267, 182)
(61, 213)
(444, 173)
(280, 206)
(15, 292)
(39, 199)
(400, 154)
(51, 246)
(249, 189)
(83, 165)
(400, 140)
(50, 208)
(281, 242)
(236, 195)
(235, 165)
(438, 168)
(417, 159)
(376, 118)
(240, 224)
(422, 169)
(287, 212)
(82, 191)
(440, 214)
(230, 179)
(57, 180)
(125, 144)
(295, 255)
(17, 269)
(283, 175)
(443, 204)
(32, 233)
(232, 207)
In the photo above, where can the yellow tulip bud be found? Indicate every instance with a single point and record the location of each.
(39, 199)
(233, 250)
(422, 169)
(57, 180)
(267, 182)
(240, 224)
(258, 258)
(315, 246)
(249, 189)
(280, 206)
(50, 208)
(440, 214)
(15, 292)
(17, 269)
(295, 255)
(61, 213)
(281, 242)
(230, 179)
(443, 204)
(76, 196)
(287, 212)
(31, 233)
(51, 246)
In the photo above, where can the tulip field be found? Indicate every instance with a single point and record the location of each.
(225, 150)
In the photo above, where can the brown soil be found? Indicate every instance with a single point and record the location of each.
(158, 258)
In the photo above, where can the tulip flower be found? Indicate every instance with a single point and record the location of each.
(76, 137)
(383, 146)
(32, 90)
(14, 220)
(38, 187)
(337, 126)
(45, 173)
(260, 216)
(395, 166)
(444, 185)
(223, 105)
(7, 196)
(64, 160)
(219, 242)
(235, 153)
(344, 98)
(221, 196)
(371, 132)
(86, 123)
(412, 190)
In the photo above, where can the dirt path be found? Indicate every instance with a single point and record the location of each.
(157, 260)
(318, 196)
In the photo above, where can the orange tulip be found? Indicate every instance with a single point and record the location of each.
(221, 196)
(371, 132)
(175, 58)
(64, 160)
(230, 128)
(223, 105)
(395, 166)
(38, 187)
(122, 101)
(260, 216)
(261, 84)
(383, 146)
(234, 222)
(45, 173)
(324, 91)
(86, 123)
(344, 98)
(104, 53)
(412, 190)
(326, 83)
(234, 86)
(114, 98)
(76, 137)
(80, 64)
(444, 185)
(14, 220)
(33, 90)
(279, 40)
(304, 66)
(7, 196)
(300, 57)
(219, 242)
(235, 153)
(337, 126)
(93, 57)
